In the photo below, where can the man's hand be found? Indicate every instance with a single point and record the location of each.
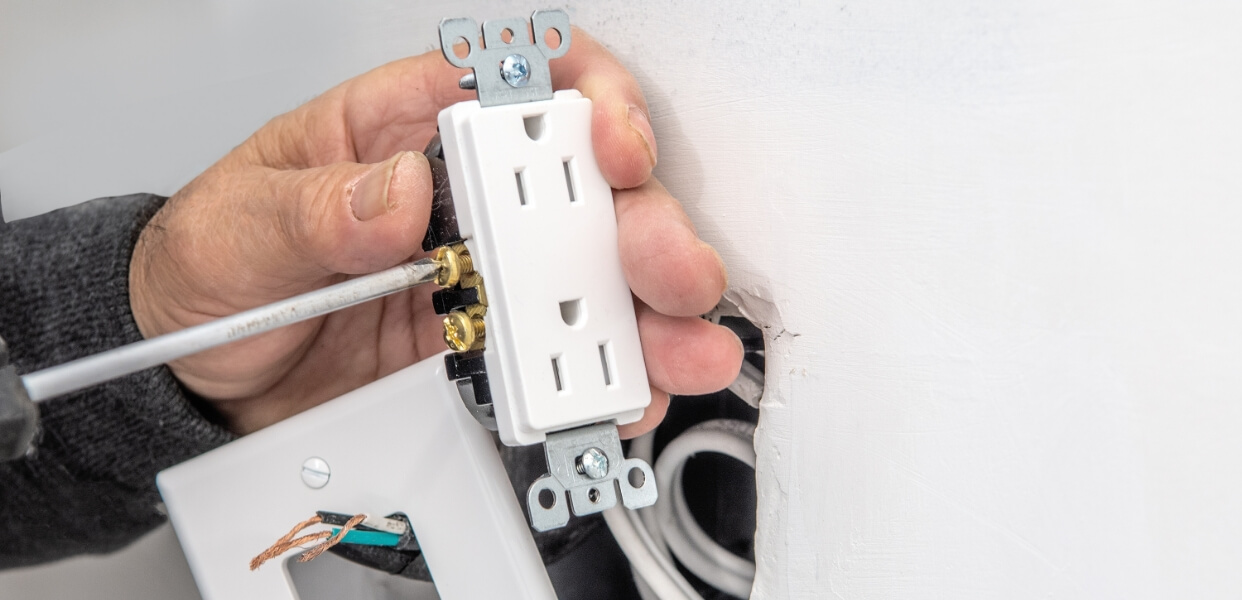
(336, 188)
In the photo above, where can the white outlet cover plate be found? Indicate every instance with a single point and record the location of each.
(536, 249)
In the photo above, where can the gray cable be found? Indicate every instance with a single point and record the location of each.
(92, 370)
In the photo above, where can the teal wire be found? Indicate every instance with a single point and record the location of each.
(369, 538)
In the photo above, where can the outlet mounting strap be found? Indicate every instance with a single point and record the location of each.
(507, 72)
(575, 466)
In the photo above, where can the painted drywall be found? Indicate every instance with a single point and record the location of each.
(996, 244)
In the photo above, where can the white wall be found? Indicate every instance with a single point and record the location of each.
(997, 244)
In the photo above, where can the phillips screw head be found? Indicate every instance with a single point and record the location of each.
(593, 463)
(461, 331)
(515, 70)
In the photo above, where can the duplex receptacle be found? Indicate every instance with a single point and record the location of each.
(537, 216)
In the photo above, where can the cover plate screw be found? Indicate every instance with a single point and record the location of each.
(593, 463)
(515, 70)
(316, 472)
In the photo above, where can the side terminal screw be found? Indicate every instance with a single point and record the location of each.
(463, 332)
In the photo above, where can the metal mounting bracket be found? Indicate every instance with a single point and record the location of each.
(575, 466)
(507, 72)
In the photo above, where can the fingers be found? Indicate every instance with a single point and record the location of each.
(625, 145)
(394, 108)
(651, 417)
(687, 355)
(665, 262)
(344, 218)
(684, 356)
(386, 110)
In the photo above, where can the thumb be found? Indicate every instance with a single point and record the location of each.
(352, 218)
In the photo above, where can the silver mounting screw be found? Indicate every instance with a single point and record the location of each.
(593, 463)
(515, 70)
(316, 472)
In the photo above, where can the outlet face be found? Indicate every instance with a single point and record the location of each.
(562, 346)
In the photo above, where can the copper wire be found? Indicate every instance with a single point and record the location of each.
(311, 554)
(286, 542)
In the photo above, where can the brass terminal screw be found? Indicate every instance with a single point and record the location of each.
(462, 332)
(453, 265)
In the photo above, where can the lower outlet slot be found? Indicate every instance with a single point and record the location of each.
(604, 350)
(558, 374)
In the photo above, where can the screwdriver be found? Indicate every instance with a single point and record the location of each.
(18, 395)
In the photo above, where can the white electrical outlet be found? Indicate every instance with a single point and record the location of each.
(562, 347)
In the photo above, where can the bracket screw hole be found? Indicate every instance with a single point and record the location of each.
(461, 47)
(552, 38)
(547, 499)
(637, 478)
(593, 495)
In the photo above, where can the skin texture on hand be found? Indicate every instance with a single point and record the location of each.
(337, 188)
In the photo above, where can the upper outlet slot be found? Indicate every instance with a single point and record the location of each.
(568, 163)
(534, 126)
(573, 312)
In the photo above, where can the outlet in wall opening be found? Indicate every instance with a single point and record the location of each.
(534, 125)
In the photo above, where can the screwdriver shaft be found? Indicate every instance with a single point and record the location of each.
(92, 370)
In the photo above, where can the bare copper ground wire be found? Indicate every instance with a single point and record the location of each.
(285, 542)
(311, 554)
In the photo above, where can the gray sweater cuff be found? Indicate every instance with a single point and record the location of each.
(64, 294)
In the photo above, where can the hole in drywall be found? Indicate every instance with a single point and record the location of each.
(604, 350)
(534, 126)
(573, 312)
(557, 373)
(552, 38)
(521, 186)
(461, 47)
(547, 498)
(569, 180)
(506, 35)
(636, 477)
(593, 495)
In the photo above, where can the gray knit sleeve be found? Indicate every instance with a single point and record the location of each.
(64, 293)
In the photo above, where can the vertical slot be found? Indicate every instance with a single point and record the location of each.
(569, 180)
(556, 373)
(604, 350)
(521, 185)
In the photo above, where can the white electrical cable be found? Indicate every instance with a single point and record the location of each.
(653, 547)
(647, 536)
(92, 370)
(651, 567)
(695, 549)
